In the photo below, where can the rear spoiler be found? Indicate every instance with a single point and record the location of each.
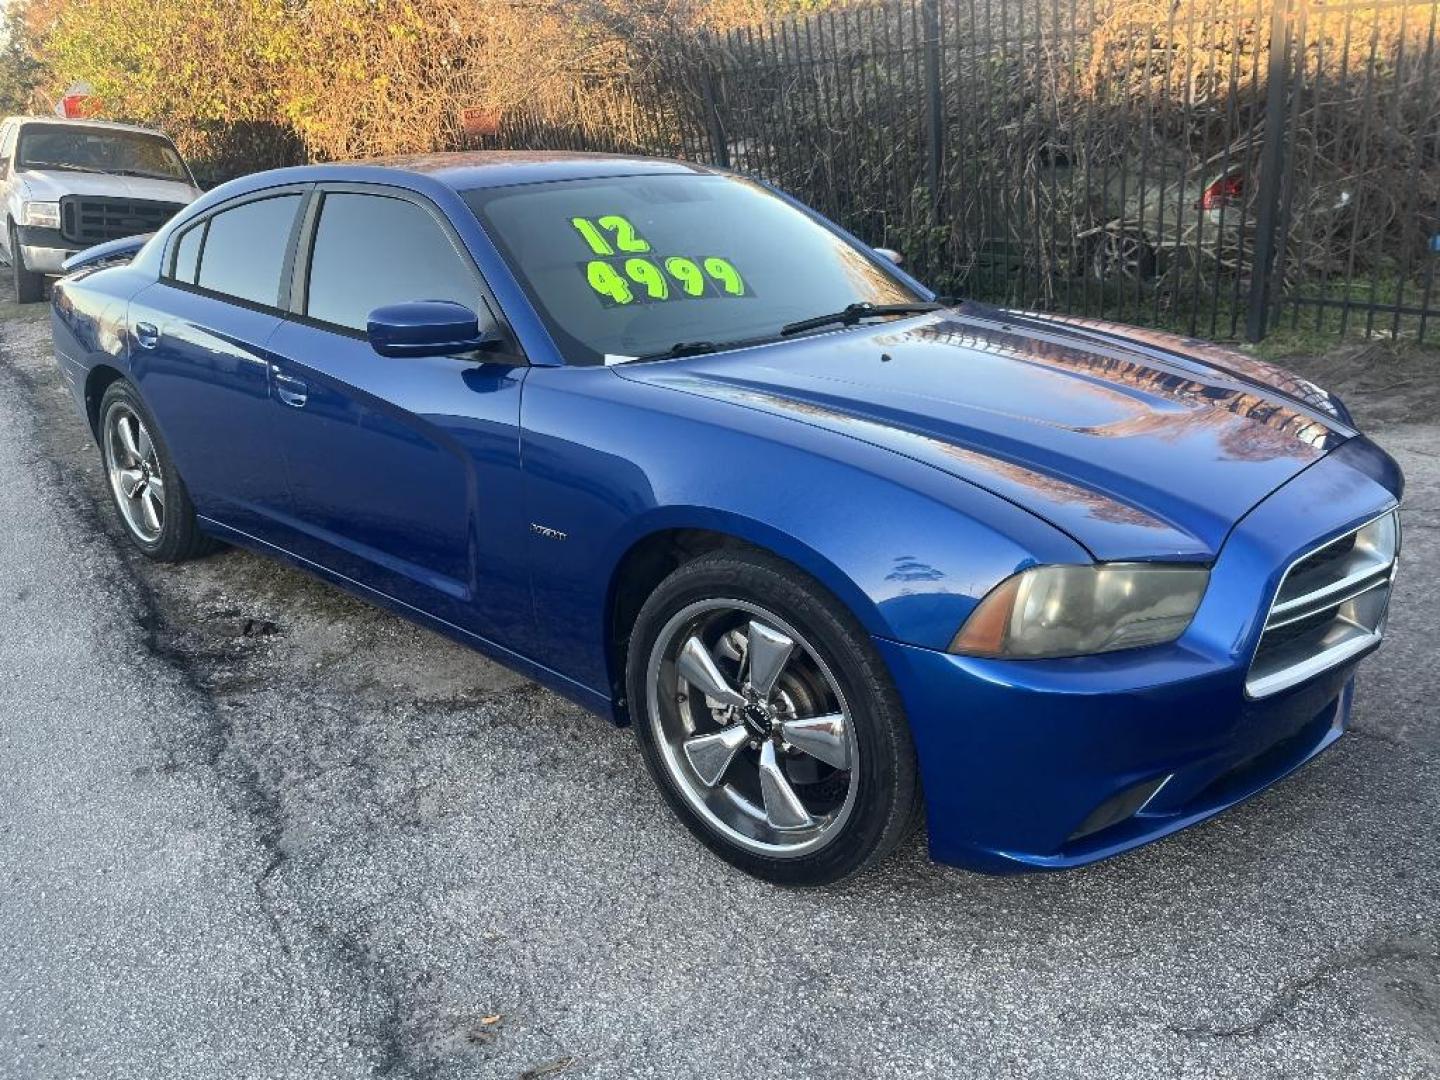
(110, 253)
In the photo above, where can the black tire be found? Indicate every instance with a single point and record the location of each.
(29, 286)
(887, 799)
(1124, 257)
(178, 537)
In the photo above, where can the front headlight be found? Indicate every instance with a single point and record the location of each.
(1052, 611)
(44, 214)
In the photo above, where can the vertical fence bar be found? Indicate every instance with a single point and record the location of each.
(1080, 153)
(781, 168)
(1248, 160)
(1433, 256)
(719, 148)
(1364, 148)
(1164, 271)
(1417, 151)
(1277, 298)
(1403, 209)
(934, 118)
(1271, 167)
(990, 238)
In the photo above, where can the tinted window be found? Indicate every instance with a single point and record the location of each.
(187, 254)
(371, 250)
(245, 249)
(629, 266)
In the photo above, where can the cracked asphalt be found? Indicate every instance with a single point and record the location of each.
(252, 827)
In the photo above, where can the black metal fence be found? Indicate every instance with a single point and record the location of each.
(1222, 167)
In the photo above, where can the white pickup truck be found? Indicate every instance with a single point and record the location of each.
(71, 184)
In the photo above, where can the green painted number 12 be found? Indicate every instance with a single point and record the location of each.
(623, 237)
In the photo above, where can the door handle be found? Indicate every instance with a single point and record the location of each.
(147, 335)
(290, 391)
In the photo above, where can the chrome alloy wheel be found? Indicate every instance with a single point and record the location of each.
(753, 727)
(1120, 255)
(135, 476)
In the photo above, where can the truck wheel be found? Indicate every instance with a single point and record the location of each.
(29, 287)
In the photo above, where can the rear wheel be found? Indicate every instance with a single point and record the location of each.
(769, 722)
(1121, 257)
(29, 287)
(148, 493)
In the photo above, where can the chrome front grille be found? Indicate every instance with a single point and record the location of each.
(1330, 606)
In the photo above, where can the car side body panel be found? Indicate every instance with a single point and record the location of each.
(405, 475)
(907, 549)
(207, 380)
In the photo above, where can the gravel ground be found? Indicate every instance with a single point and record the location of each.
(250, 826)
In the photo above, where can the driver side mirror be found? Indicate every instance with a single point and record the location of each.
(427, 328)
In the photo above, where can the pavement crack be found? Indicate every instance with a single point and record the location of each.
(205, 741)
(1379, 954)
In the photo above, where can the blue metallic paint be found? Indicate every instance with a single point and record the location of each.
(908, 467)
(425, 328)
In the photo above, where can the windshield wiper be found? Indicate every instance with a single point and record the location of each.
(64, 166)
(144, 175)
(853, 313)
(682, 348)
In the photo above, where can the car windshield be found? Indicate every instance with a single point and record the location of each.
(102, 150)
(630, 266)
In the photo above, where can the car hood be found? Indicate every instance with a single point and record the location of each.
(1138, 445)
(49, 185)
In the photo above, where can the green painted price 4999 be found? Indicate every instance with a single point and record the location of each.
(623, 275)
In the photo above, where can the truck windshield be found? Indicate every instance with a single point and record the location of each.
(101, 150)
(629, 266)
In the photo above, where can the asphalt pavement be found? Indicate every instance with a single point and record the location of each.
(251, 827)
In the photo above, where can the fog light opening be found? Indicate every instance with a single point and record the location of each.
(1118, 808)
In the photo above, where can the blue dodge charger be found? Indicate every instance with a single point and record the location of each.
(666, 441)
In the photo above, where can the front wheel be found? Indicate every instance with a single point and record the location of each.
(769, 722)
(29, 286)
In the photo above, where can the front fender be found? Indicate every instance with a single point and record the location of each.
(610, 462)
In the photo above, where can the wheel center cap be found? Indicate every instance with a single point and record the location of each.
(757, 720)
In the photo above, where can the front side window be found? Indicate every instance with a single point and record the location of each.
(101, 150)
(244, 250)
(630, 266)
(372, 250)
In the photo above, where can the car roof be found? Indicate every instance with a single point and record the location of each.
(109, 125)
(500, 168)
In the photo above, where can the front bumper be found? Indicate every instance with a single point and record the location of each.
(44, 249)
(1050, 764)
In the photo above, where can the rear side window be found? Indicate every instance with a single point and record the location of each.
(244, 254)
(371, 250)
(187, 254)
